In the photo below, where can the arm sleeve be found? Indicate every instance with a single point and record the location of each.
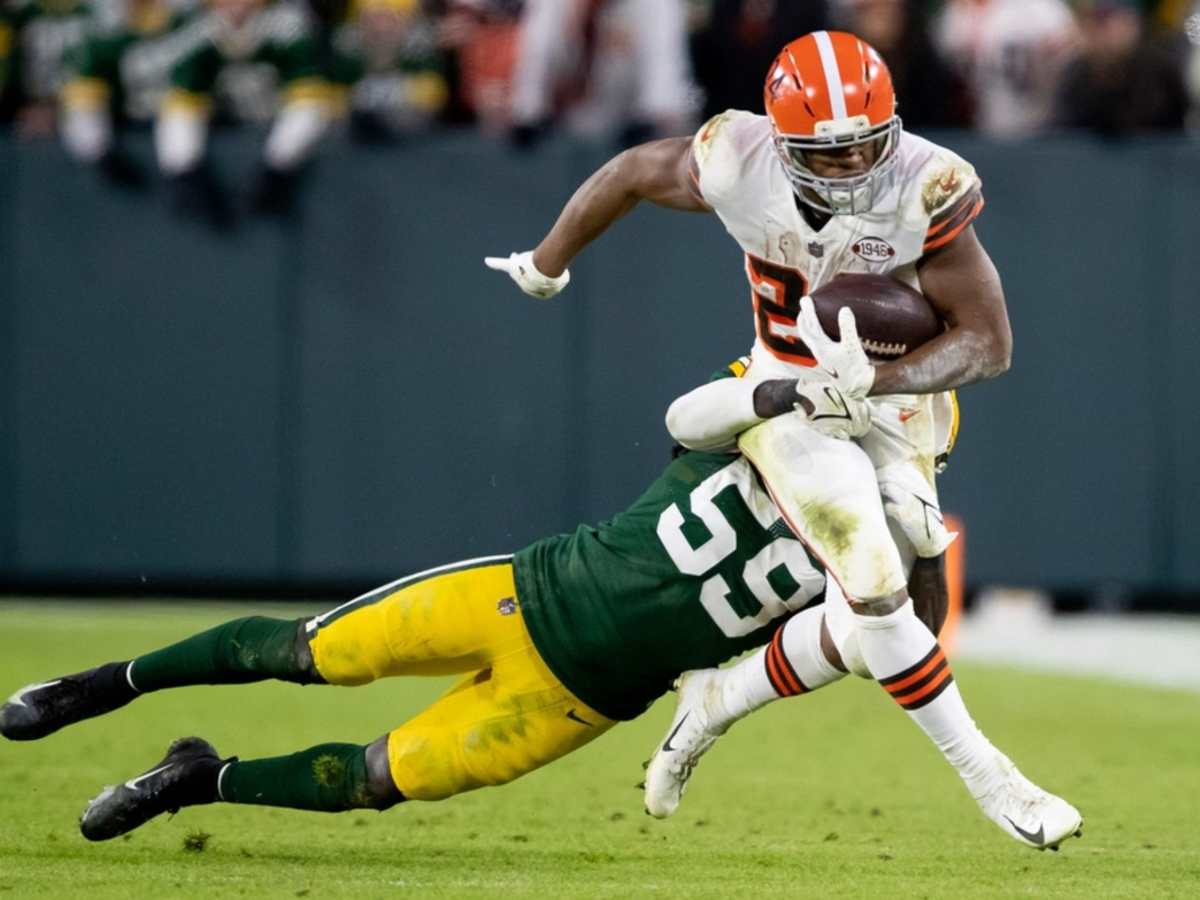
(950, 199)
(713, 415)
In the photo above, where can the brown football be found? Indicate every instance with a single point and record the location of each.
(892, 318)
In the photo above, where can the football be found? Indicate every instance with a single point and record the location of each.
(893, 318)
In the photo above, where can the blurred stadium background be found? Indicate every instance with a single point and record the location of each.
(272, 363)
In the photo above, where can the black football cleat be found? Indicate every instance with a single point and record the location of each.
(186, 776)
(37, 710)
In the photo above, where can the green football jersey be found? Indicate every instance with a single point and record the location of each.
(402, 86)
(133, 62)
(699, 569)
(243, 69)
(42, 34)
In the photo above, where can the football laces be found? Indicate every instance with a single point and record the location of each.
(882, 348)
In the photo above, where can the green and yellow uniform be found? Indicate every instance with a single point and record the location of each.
(242, 71)
(575, 632)
(400, 85)
(37, 37)
(127, 66)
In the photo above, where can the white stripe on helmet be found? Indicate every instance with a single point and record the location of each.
(833, 78)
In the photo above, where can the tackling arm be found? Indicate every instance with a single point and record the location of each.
(962, 284)
(711, 417)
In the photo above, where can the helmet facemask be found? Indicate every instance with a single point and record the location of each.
(845, 195)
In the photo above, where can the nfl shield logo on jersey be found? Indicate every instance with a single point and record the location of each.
(816, 249)
(507, 606)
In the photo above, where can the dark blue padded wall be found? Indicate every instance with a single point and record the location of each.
(355, 396)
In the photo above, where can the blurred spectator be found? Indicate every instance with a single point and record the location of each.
(481, 38)
(1124, 82)
(734, 49)
(118, 77)
(1012, 54)
(278, 38)
(41, 33)
(8, 83)
(1192, 29)
(387, 59)
(603, 66)
(930, 92)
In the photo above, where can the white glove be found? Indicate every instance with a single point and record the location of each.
(833, 413)
(844, 361)
(520, 266)
(906, 502)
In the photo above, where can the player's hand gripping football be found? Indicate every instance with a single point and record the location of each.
(845, 361)
(521, 269)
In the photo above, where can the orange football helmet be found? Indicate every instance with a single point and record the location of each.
(825, 91)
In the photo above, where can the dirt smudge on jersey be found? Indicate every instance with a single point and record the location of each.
(831, 530)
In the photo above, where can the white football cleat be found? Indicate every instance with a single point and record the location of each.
(691, 735)
(1029, 814)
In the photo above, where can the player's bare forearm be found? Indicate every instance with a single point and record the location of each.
(656, 171)
(963, 286)
(776, 397)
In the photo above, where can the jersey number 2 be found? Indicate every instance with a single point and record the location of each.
(700, 561)
(777, 290)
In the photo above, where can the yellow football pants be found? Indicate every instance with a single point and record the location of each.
(509, 716)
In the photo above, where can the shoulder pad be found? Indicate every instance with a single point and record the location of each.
(946, 195)
(719, 149)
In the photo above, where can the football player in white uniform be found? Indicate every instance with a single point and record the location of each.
(828, 182)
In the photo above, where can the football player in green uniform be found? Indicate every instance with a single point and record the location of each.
(387, 63)
(36, 38)
(253, 36)
(118, 77)
(556, 644)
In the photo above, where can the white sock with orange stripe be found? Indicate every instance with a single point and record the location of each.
(919, 679)
(792, 663)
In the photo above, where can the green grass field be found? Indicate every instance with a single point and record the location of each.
(834, 795)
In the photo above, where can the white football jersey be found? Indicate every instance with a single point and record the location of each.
(932, 195)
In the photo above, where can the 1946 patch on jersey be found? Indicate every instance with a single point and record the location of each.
(939, 188)
(873, 249)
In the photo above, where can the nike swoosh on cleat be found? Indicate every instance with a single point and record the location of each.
(575, 718)
(132, 783)
(18, 699)
(667, 743)
(1037, 838)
